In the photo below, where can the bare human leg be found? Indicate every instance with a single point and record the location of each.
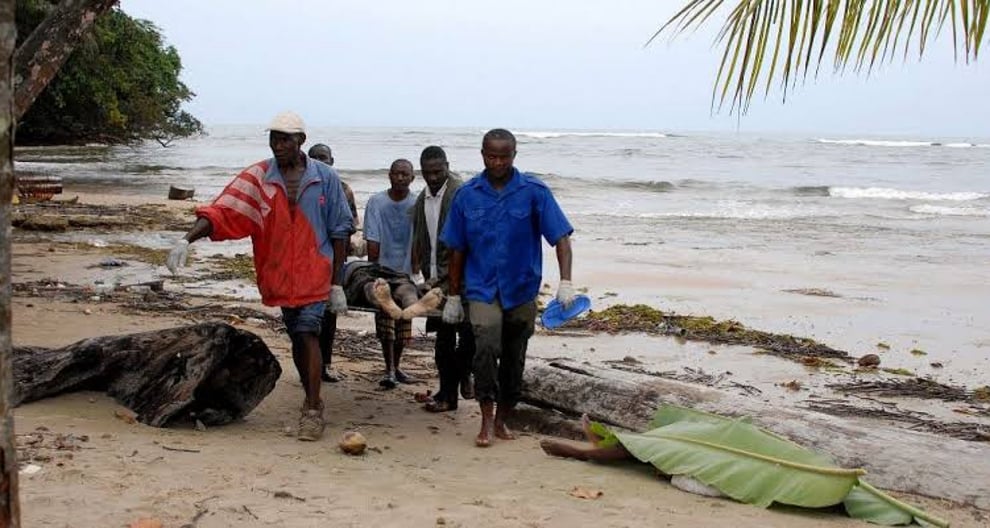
(502, 414)
(596, 454)
(484, 438)
(388, 380)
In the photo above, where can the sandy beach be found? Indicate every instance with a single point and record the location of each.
(421, 469)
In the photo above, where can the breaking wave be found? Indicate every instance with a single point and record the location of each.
(897, 143)
(882, 193)
(940, 210)
(554, 135)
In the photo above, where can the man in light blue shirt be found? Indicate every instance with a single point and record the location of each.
(388, 231)
(495, 229)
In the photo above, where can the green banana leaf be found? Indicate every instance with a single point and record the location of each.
(744, 463)
(755, 466)
(872, 505)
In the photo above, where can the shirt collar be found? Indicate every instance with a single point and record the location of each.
(310, 173)
(440, 193)
(515, 182)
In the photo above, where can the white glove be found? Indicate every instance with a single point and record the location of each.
(565, 293)
(338, 301)
(418, 278)
(453, 312)
(178, 256)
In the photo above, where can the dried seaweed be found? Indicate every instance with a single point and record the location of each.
(642, 318)
(914, 388)
(914, 420)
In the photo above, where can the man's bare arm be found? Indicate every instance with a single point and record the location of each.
(564, 257)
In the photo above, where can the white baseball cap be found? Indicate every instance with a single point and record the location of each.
(288, 122)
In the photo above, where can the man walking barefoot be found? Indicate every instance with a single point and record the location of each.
(494, 230)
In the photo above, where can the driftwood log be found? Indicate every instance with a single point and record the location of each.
(896, 459)
(212, 372)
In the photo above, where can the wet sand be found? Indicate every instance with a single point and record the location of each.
(424, 471)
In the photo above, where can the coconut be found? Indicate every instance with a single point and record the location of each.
(353, 443)
(869, 361)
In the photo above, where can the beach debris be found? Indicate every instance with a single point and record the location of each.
(586, 493)
(914, 388)
(631, 360)
(814, 292)
(33, 188)
(642, 318)
(898, 371)
(982, 393)
(793, 385)
(353, 443)
(213, 369)
(936, 364)
(914, 420)
(29, 470)
(883, 346)
(918, 352)
(118, 217)
(441, 521)
(112, 263)
(282, 494)
(869, 361)
(176, 192)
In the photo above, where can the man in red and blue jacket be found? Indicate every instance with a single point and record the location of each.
(296, 214)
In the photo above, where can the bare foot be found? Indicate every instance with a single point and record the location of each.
(588, 433)
(383, 296)
(503, 432)
(484, 438)
(424, 305)
(559, 449)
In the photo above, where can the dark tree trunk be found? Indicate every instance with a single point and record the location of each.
(211, 371)
(40, 56)
(9, 510)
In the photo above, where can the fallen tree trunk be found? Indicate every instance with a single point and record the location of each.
(896, 459)
(212, 372)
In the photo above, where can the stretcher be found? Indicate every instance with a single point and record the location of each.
(365, 309)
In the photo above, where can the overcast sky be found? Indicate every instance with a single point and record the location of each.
(522, 64)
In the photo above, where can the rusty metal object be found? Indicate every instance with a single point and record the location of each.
(37, 188)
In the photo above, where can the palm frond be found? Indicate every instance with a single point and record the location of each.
(784, 40)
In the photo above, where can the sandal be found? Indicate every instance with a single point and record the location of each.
(440, 406)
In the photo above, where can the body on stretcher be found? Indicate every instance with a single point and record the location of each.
(367, 309)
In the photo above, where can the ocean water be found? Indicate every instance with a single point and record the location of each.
(897, 228)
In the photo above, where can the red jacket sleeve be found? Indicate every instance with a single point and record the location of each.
(237, 211)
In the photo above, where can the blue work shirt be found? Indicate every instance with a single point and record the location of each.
(390, 224)
(499, 233)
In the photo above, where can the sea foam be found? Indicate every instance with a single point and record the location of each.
(882, 193)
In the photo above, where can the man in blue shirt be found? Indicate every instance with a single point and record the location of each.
(494, 229)
(388, 231)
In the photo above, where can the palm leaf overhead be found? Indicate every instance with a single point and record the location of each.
(785, 40)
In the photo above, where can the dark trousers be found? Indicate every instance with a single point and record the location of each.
(500, 337)
(453, 352)
(328, 329)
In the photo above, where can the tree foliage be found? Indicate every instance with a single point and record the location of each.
(786, 40)
(120, 85)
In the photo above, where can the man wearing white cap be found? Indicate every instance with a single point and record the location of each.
(296, 214)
